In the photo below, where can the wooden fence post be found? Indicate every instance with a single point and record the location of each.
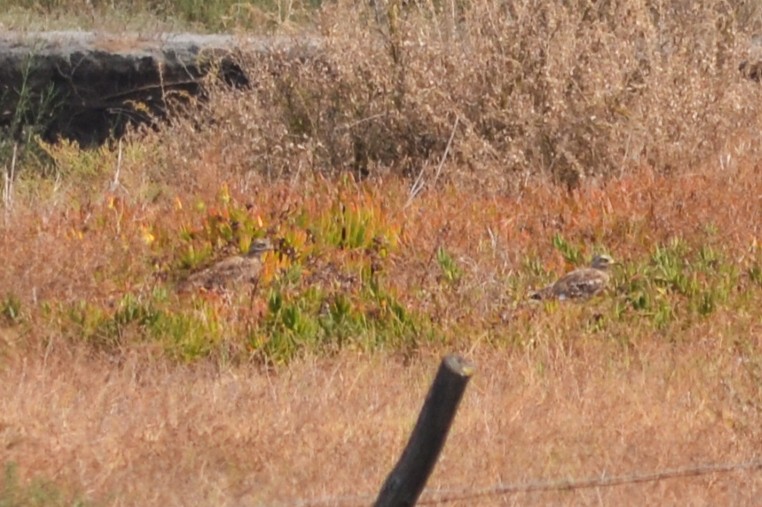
(405, 483)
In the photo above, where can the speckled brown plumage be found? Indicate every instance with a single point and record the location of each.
(581, 283)
(229, 272)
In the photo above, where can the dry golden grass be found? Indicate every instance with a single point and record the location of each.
(148, 433)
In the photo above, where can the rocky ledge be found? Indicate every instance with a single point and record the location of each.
(87, 86)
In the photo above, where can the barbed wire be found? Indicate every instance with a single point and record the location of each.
(432, 497)
(447, 496)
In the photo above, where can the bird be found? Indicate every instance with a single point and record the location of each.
(580, 284)
(228, 272)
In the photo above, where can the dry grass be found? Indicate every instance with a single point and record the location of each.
(556, 395)
(157, 434)
(587, 129)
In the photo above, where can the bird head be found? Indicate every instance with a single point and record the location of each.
(259, 246)
(602, 262)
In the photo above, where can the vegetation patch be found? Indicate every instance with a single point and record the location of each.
(416, 181)
(37, 492)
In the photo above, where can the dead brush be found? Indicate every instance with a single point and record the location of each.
(571, 91)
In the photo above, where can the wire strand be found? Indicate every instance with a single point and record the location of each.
(446, 496)
(433, 497)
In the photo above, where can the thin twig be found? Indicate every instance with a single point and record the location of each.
(115, 183)
(9, 175)
(417, 187)
(419, 182)
(361, 121)
(447, 149)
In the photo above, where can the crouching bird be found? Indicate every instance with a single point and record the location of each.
(581, 283)
(229, 272)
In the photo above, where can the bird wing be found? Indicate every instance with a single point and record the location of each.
(581, 283)
(225, 272)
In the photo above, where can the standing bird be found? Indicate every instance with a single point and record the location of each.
(581, 283)
(228, 272)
